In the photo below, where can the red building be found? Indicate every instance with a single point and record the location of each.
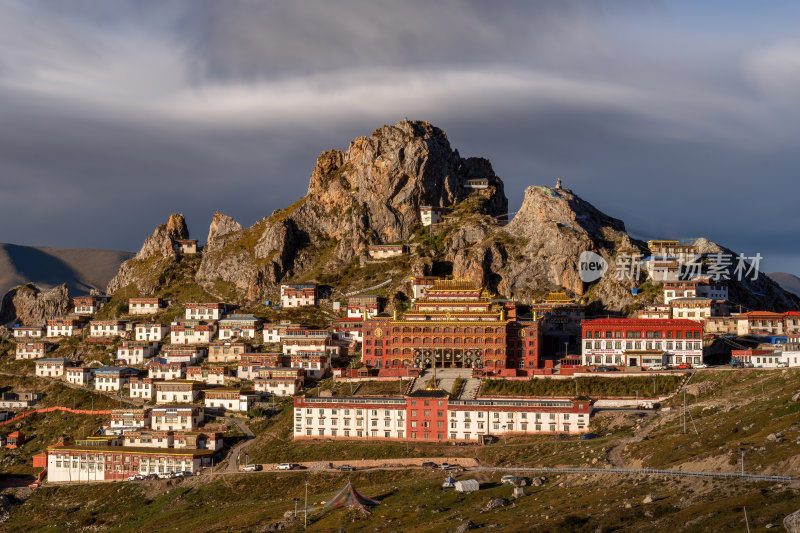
(454, 325)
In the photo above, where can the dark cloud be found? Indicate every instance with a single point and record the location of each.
(115, 114)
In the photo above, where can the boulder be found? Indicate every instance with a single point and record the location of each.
(792, 522)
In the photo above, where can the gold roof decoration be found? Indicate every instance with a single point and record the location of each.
(454, 285)
(558, 297)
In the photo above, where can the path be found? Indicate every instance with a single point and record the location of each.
(235, 452)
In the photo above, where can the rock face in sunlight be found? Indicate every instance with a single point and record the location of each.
(31, 306)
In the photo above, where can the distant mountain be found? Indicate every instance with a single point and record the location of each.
(81, 269)
(789, 282)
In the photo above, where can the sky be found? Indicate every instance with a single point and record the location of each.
(680, 118)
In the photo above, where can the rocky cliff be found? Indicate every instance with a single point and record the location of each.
(156, 255)
(368, 194)
(31, 306)
(371, 194)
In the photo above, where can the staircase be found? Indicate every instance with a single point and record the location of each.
(470, 389)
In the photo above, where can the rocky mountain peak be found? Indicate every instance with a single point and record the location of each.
(32, 306)
(156, 254)
(221, 225)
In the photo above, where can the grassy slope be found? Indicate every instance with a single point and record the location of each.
(593, 387)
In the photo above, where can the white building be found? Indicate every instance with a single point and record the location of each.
(79, 375)
(227, 352)
(88, 305)
(32, 350)
(106, 328)
(229, 400)
(239, 327)
(162, 370)
(697, 308)
(177, 417)
(143, 388)
(716, 290)
(144, 306)
(431, 215)
(28, 332)
(210, 375)
(386, 251)
(192, 332)
(298, 295)
(365, 306)
(186, 246)
(178, 391)
(204, 311)
(183, 353)
(136, 352)
(64, 326)
(309, 340)
(111, 378)
(52, 367)
(279, 381)
(316, 365)
(151, 332)
(127, 419)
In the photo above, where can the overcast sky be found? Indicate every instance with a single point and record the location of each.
(680, 118)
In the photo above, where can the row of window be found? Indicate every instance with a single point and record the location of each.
(617, 334)
(638, 345)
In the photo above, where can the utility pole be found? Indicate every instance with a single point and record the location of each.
(305, 509)
(295, 506)
(746, 523)
(742, 450)
(684, 410)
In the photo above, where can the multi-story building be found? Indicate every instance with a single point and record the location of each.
(420, 284)
(128, 419)
(52, 367)
(429, 214)
(28, 332)
(559, 318)
(79, 375)
(136, 352)
(250, 363)
(683, 251)
(205, 311)
(151, 332)
(429, 415)
(720, 325)
(213, 375)
(454, 325)
(177, 417)
(183, 353)
(316, 365)
(145, 306)
(227, 352)
(641, 342)
(107, 328)
(88, 305)
(162, 370)
(19, 400)
(279, 381)
(298, 294)
(32, 350)
(177, 391)
(272, 333)
(112, 378)
(709, 288)
(229, 399)
(64, 326)
(760, 322)
(679, 289)
(75, 463)
(309, 340)
(192, 332)
(142, 388)
(349, 329)
(239, 327)
(364, 306)
(697, 308)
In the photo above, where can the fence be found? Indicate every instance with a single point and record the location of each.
(57, 408)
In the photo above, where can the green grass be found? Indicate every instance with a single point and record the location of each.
(594, 387)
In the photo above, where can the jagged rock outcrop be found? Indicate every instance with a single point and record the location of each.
(156, 255)
(539, 248)
(32, 306)
(221, 225)
(368, 194)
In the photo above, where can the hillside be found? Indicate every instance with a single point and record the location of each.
(371, 194)
(789, 282)
(727, 407)
(81, 269)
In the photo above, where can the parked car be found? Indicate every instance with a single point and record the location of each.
(701, 365)
(164, 475)
(737, 364)
(783, 364)
(588, 436)
(748, 365)
(133, 478)
(446, 466)
(285, 466)
(254, 468)
(655, 367)
(508, 480)
(347, 468)
(429, 464)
